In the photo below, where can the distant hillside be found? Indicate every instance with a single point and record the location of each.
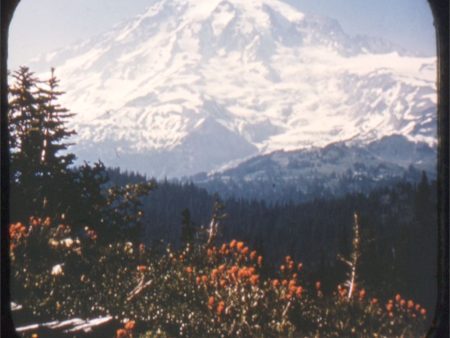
(334, 170)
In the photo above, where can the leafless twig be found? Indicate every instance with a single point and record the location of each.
(139, 288)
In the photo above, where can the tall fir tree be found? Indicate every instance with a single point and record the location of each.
(55, 132)
(187, 227)
(25, 124)
(55, 160)
(37, 123)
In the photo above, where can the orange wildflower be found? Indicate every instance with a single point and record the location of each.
(210, 302)
(260, 260)
(233, 243)
(222, 267)
(362, 294)
(292, 288)
(141, 268)
(234, 269)
(130, 325)
(223, 283)
(276, 283)
(244, 272)
(245, 251)
(91, 234)
(284, 282)
(47, 221)
(291, 265)
(299, 292)
(209, 252)
(240, 245)
(410, 304)
(214, 274)
(121, 333)
(254, 279)
(220, 307)
(35, 221)
(389, 307)
(253, 255)
(22, 229)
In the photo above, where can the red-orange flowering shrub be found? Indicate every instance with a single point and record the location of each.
(193, 292)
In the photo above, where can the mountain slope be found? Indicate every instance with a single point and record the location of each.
(168, 91)
(335, 169)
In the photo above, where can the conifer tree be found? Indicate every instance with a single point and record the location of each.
(54, 128)
(25, 124)
(55, 161)
(39, 173)
(187, 227)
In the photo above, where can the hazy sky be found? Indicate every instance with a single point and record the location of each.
(41, 26)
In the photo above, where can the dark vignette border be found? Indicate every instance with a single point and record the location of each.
(440, 324)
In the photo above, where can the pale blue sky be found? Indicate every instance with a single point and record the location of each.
(44, 25)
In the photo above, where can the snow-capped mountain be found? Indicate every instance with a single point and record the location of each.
(191, 85)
